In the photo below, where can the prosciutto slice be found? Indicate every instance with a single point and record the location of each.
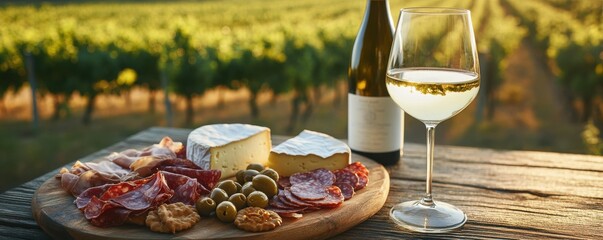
(85, 175)
(207, 178)
(112, 204)
(143, 161)
(119, 167)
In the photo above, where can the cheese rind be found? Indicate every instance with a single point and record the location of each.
(228, 147)
(308, 151)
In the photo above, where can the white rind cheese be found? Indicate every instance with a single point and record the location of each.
(308, 151)
(228, 147)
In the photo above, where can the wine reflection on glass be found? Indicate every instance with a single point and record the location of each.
(432, 74)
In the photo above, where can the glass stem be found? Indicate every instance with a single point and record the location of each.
(427, 199)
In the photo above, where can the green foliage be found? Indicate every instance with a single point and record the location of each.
(269, 45)
(591, 138)
(573, 40)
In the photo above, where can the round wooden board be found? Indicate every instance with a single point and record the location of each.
(56, 213)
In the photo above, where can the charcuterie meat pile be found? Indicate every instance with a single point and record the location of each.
(318, 189)
(127, 185)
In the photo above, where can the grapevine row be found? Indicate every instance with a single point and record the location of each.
(573, 46)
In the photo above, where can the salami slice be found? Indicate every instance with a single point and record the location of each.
(295, 200)
(346, 189)
(83, 199)
(358, 167)
(186, 190)
(346, 176)
(333, 199)
(283, 183)
(321, 176)
(284, 200)
(110, 205)
(140, 197)
(96, 207)
(308, 191)
(363, 180)
(276, 202)
(111, 217)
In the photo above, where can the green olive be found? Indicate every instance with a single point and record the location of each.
(257, 199)
(228, 186)
(226, 212)
(247, 188)
(255, 166)
(249, 174)
(270, 173)
(241, 176)
(218, 195)
(239, 200)
(205, 206)
(265, 184)
(239, 187)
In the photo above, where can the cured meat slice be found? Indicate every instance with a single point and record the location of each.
(281, 196)
(363, 180)
(82, 176)
(207, 178)
(110, 205)
(308, 191)
(186, 190)
(285, 211)
(96, 207)
(346, 189)
(111, 217)
(276, 202)
(293, 199)
(124, 158)
(134, 196)
(358, 167)
(117, 167)
(321, 176)
(143, 161)
(87, 195)
(333, 199)
(179, 162)
(346, 176)
(283, 182)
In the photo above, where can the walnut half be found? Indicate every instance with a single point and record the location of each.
(255, 219)
(172, 218)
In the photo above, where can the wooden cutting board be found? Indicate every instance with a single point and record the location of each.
(56, 213)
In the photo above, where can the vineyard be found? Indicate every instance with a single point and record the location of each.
(181, 50)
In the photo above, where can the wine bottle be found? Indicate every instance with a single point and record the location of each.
(375, 122)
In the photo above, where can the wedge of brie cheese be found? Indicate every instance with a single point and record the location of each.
(308, 151)
(228, 147)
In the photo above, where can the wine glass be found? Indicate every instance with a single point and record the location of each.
(432, 74)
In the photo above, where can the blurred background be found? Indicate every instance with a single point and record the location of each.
(78, 76)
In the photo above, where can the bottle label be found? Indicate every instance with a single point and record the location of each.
(375, 124)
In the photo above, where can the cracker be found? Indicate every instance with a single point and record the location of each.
(170, 218)
(255, 219)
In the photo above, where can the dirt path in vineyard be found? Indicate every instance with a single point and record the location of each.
(530, 106)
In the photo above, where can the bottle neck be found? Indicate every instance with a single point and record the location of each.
(377, 10)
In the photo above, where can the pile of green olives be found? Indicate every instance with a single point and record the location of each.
(253, 187)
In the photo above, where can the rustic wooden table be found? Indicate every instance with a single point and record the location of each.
(506, 194)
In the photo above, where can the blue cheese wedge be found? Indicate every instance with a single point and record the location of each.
(308, 151)
(228, 147)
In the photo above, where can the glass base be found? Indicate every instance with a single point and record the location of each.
(428, 218)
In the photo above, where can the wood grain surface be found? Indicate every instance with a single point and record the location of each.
(55, 212)
(506, 194)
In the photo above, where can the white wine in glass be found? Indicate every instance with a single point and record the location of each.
(433, 74)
